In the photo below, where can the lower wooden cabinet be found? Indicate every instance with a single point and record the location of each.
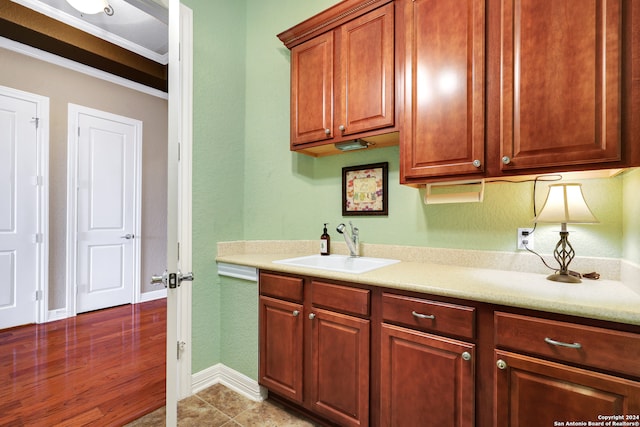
(427, 380)
(281, 347)
(312, 355)
(531, 391)
(356, 355)
(553, 383)
(340, 367)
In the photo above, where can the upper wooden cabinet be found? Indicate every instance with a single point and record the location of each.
(342, 76)
(561, 82)
(516, 87)
(443, 129)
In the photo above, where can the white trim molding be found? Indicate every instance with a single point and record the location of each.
(230, 378)
(60, 15)
(243, 272)
(78, 67)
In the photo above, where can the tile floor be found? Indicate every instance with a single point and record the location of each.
(220, 406)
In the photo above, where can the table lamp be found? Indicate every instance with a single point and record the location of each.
(565, 204)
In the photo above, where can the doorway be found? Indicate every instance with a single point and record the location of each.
(103, 208)
(23, 189)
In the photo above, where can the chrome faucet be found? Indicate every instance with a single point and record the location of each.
(353, 241)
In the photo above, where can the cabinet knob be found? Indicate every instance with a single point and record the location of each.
(312, 316)
(466, 356)
(295, 313)
(477, 163)
(342, 128)
(327, 132)
(506, 160)
(501, 364)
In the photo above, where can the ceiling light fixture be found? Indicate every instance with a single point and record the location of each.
(91, 7)
(565, 204)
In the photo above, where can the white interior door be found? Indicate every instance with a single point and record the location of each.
(107, 167)
(178, 378)
(19, 208)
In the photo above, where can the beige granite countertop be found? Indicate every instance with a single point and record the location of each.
(610, 300)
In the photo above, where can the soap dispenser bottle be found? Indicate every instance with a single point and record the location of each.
(325, 241)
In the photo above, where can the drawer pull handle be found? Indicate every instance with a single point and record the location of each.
(422, 316)
(563, 344)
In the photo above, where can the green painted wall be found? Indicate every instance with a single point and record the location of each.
(218, 158)
(248, 185)
(631, 223)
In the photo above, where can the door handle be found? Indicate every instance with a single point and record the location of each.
(187, 277)
(172, 280)
(160, 280)
(128, 236)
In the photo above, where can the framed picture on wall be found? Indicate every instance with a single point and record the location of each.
(364, 189)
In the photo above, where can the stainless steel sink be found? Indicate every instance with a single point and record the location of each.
(341, 263)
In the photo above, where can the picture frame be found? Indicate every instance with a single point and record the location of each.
(365, 190)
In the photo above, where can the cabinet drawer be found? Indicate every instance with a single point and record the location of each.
(341, 298)
(428, 315)
(585, 345)
(284, 287)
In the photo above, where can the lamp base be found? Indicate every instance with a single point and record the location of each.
(565, 278)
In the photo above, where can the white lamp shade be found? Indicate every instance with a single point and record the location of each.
(565, 204)
(89, 7)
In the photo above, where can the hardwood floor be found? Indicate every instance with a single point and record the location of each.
(101, 368)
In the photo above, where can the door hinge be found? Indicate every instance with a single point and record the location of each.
(179, 348)
(36, 120)
(38, 295)
(37, 238)
(179, 150)
(178, 251)
(36, 180)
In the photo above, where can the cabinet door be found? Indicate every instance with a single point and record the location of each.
(444, 101)
(281, 347)
(532, 391)
(561, 89)
(426, 380)
(312, 90)
(340, 367)
(366, 80)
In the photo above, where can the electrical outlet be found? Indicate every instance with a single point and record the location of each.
(525, 235)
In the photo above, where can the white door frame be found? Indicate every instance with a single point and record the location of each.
(42, 181)
(185, 195)
(74, 112)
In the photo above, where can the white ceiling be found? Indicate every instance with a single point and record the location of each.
(140, 26)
